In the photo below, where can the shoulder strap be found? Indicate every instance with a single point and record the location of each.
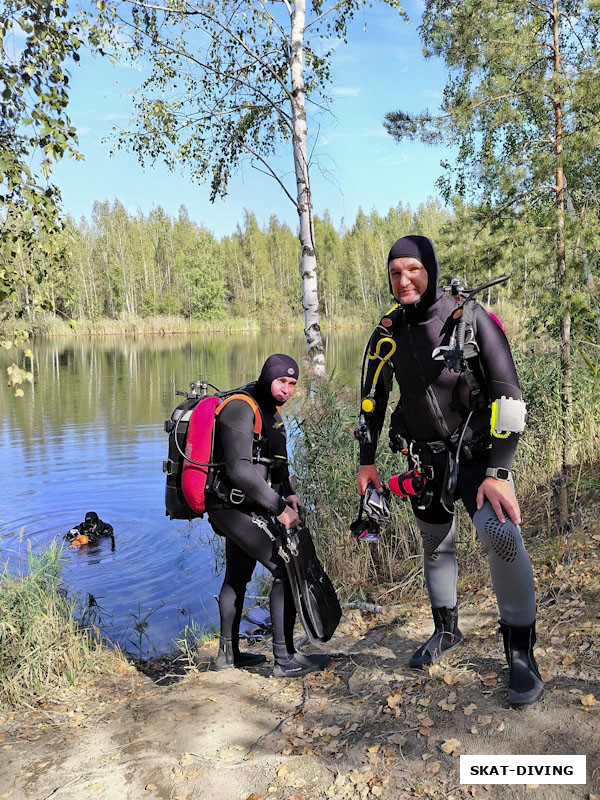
(253, 405)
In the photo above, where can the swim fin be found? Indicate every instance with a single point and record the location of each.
(314, 595)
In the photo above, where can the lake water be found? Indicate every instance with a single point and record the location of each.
(89, 436)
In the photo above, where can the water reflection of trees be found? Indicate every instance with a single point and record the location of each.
(130, 381)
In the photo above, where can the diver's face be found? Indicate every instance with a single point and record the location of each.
(409, 279)
(283, 388)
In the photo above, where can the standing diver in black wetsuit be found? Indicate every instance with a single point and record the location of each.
(241, 503)
(436, 406)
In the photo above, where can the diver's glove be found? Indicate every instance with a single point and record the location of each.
(375, 502)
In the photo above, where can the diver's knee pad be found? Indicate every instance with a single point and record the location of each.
(433, 534)
(501, 538)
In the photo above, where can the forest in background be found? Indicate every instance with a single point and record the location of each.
(118, 264)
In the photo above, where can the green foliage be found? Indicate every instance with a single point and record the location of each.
(204, 279)
(35, 42)
(499, 100)
(38, 43)
(221, 89)
(135, 265)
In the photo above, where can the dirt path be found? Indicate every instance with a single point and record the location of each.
(367, 727)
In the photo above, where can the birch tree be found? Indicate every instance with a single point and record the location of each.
(522, 105)
(233, 82)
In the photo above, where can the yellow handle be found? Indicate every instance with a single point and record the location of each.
(383, 359)
(368, 404)
(493, 420)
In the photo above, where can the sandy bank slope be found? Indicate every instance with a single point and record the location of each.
(367, 727)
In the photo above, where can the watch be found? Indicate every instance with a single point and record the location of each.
(501, 473)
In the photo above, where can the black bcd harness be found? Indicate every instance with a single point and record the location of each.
(461, 349)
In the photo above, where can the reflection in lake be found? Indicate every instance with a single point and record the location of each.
(89, 437)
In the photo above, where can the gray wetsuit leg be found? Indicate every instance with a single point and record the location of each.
(440, 565)
(510, 567)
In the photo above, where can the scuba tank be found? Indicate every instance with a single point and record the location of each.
(189, 467)
(176, 506)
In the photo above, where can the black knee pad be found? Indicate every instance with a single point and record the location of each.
(503, 538)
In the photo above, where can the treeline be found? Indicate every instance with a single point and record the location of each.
(118, 263)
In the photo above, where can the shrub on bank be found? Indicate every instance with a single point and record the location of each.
(325, 460)
(42, 648)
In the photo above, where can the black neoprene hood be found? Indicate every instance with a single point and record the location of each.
(278, 365)
(421, 248)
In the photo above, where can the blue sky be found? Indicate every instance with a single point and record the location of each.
(379, 70)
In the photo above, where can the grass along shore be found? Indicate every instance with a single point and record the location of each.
(47, 325)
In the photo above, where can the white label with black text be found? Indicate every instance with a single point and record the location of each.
(522, 769)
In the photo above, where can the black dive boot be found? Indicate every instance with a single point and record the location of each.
(525, 685)
(291, 665)
(229, 656)
(445, 638)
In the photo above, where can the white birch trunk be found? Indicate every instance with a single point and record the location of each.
(310, 297)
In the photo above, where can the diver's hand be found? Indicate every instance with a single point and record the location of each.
(293, 501)
(289, 518)
(502, 497)
(367, 473)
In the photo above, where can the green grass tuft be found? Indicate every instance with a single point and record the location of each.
(43, 649)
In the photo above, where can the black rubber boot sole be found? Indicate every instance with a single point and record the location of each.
(294, 668)
(321, 660)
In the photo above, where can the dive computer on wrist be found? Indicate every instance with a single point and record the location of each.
(500, 473)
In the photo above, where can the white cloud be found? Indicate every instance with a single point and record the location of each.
(345, 91)
(392, 161)
(377, 133)
(82, 130)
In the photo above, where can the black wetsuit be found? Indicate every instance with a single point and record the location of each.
(101, 529)
(434, 403)
(243, 525)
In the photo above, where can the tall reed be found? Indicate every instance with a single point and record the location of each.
(325, 459)
(42, 648)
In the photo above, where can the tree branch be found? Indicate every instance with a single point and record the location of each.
(225, 27)
(269, 171)
(222, 75)
(575, 34)
(323, 15)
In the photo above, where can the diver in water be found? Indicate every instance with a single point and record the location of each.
(460, 404)
(90, 531)
(243, 500)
